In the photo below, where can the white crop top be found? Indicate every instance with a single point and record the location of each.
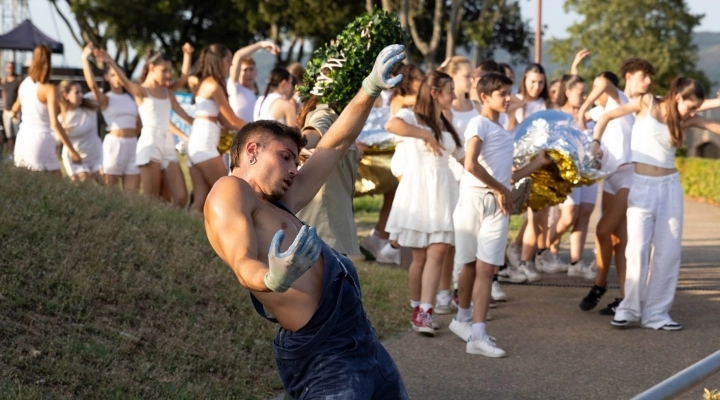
(650, 142)
(205, 107)
(155, 112)
(121, 112)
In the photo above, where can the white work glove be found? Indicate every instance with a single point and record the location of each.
(285, 268)
(379, 78)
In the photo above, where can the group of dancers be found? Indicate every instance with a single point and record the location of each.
(453, 161)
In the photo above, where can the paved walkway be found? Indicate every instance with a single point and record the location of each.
(557, 351)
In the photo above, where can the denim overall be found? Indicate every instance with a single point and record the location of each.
(336, 355)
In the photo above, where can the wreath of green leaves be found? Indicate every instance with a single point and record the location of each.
(336, 71)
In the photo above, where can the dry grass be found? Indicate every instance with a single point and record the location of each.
(104, 295)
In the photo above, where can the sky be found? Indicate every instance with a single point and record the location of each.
(556, 21)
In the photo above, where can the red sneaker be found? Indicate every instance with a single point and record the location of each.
(423, 322)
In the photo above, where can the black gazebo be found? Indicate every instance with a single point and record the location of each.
(25, 37)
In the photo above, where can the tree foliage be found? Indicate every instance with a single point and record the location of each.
(614, 30)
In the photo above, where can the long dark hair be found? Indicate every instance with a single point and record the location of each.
(411, 73)
(152, 57)
(566, 83)
(277, 75)
(686, 88)
(537, 68)
(210, 65)
(425, 105)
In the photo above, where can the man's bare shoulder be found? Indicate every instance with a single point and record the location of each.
(230, 193)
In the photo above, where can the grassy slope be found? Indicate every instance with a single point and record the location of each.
(104, 295)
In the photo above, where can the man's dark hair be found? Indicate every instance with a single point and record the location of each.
(491, 82)
(262, 132)
(634, 64)
(610, 77)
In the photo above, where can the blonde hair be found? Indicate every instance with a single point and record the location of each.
(453, 65)
(41, 64)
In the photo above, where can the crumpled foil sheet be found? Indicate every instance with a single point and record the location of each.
(226, 138)
(559, 134)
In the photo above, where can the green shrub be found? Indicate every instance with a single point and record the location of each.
(700, 178)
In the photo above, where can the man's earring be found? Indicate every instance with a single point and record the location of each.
(253, 161)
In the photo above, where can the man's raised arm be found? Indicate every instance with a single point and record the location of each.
(335, 143)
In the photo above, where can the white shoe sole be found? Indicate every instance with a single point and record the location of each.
(442, 310)
(472, 350)
(516, 279)
(424, 330)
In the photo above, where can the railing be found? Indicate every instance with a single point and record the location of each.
(683, 380)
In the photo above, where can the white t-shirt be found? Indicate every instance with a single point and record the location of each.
(529, 109)
(496, 153)
(615, 142)
(242, 100)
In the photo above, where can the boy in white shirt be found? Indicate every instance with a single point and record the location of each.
(482, 215)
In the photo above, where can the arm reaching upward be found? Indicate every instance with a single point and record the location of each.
(335, 143)
(90, 78)
(132, 87)
(246, 52)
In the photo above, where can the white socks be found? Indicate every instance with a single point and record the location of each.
(464, 314)
(414, 304)
(425, 307)
(478, 331)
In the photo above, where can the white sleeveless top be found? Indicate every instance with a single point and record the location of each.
(155, 112)
(530, 108)
(121, 112)
(35, 114)
(81, 126)
(242, 101)
(205, 107)
(262, 107)
(650, 142)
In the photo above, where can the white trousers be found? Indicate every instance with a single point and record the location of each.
(654, 223)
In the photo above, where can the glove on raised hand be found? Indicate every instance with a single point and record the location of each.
(285, 268)
(379, 78)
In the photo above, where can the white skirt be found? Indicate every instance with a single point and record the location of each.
(35, 150)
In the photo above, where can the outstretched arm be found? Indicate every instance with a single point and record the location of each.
(246, 52)
(90, 78)
(601, 86)
(398, 126)
(635, 106)
(132, 87)
(184, 69)
(53, 106)
(342, 134)
(179, 110)
(709, 104)
(702, 123)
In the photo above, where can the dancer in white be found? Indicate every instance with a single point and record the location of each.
(78, 116)
(481, 217)
(241, 82)
(275, 104)
(424, 223)
(655, 202)
(576, 210)
(155, 154)
(38, 98)
(211, 102)
(121, 116)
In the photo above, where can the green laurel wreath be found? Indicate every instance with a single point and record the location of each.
(337, 70)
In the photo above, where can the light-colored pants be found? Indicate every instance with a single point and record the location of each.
(10, 125)
(654, 223)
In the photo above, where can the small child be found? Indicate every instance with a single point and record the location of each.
(481, 217)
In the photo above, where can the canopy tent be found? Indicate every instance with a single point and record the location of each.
(26, 37)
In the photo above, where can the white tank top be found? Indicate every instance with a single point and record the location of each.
(35, 114)
(155, 112)
(81, 126)
(650, 142)
(262, 107)
(121, 112)
(242, 101)
(205, 107)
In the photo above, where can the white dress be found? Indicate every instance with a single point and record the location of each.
(426, 196)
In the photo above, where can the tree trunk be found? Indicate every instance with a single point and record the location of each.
(301, 50)
(456, 14)
(387, 5)
(427, 49)
(368, 5)
(404, 13)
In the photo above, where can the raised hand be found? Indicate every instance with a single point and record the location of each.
(102, 55)
(285, 268)
(578, 59)
(87, 51)
(270, 47)
(379, 79)
(188, 48)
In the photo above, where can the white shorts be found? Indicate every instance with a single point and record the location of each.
(36, 151)
(481, 229)
(204, 140)
(155, 145)
(621, 178)
(582, 195)
(119, 155)
(88, 165)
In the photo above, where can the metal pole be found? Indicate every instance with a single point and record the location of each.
(683, 380)
(538, 33)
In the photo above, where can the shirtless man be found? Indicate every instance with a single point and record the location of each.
(325, 347)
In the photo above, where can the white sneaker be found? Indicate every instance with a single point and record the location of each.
(548, 263)
(590, 271)
(462, 329)
(388, 255)
(528, 269)
(488, 316)
(577, 270)
(373, 243)
(511, 274)
(513, 254)
(497, 292)
(484, 347)
(442, 302)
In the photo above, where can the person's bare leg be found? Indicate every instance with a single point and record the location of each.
(529, 239)
(435, 255)
(568, 215)
(111, 180)
(614, 210)
(447, 269)
(481, 291)
(620, 243)
(466, 281)
(176, 183)
(151, 178)
(210, 172)
(200, 189)
(131, 183)
(521, 233)
(541, 226)
(579, 232)
(415, 273)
